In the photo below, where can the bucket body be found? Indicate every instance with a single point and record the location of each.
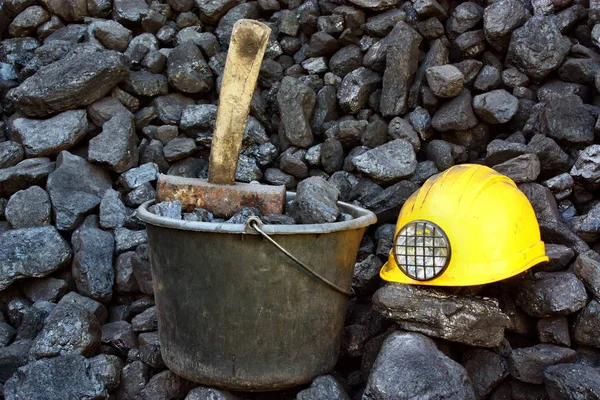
(234, 312)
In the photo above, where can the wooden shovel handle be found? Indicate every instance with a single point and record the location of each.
(249, 40)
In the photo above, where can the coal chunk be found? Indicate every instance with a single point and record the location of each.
(25, 174)
(75, 188)
(70, 83)
(528, 364)
(116, 145)
(346, 60)
(69, 329)
(388, 163)
(486, 370)
(47, 138)
(316, 202)
(587, 323)
(500, 19)
(165, 385)
(571, 381)
(296, 103)
(11, 153)
(552, 294)
(150, 349)
(456, 114)
(113, 213)
(111, 34)
(187, 70)
(406, 358)
(134, 378)
(324, 387)
(439, 314)
(568, 121)
(495, 107)
(445, 80)
(93, 263)
(356, 88)
(12, 358)
(537, 48)
(21, 254)
(28, 208)
(525, 168)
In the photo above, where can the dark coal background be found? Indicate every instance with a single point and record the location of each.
(364, 99)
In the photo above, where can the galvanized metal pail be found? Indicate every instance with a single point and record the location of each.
(235, 312)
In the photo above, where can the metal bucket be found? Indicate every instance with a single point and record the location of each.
(235, 312)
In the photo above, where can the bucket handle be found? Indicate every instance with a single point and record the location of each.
(255, 223)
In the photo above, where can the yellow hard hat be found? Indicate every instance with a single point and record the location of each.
(466, 226)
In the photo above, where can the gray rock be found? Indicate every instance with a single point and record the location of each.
(572, 381)
(142, 270)
(316, 202)
(346, 60)
(165, 385)
(7, 333)
(587, 268)
(440, 152)
(47, 138)
(554, 330)
(315, 65)
(587, 165)
(146, 321)
(69, 329)
(28, 208)
(489, 78)
(366, 274)
(500, 19)
(528, 364)
(168, 209)
(525, 168)
(321, 44)
(107, 369)
(325, 108)
(170, 107)
(25, 174)
(376, 5)
(124, 278)
(27, 21)
(11, 153)
(138, 176)
(410, 366)
(12, 358)
(551, 294)
(33, 320)
(20, 256)
(129, 11)
(552, 158)
(471, 44)
(69, 83)
(537, 48)
(179, 148)
(296, 103)
(93, 263)
(206, 393)
(568, 121)
(587, 322)
(75, 188)
(247, 169)
(486, 370)
(150, 350)
(495, 107)
(442, 315)
(126, 239)
(134, 378)
(104, 109)
(401, 64)
(323, 387)
(445, 80)
(198, 122)
(587, 226)
(424, 171)
(356, 88)
(94, 307)
(145, 83)
(349, 132)
(187, 70)
(111, 34)
(116, 146)
(375, 134)
(113, 213)
(388, 163)
(464, 17)
(560, 256)
(275, 176)
(456, 114)
(65, 376)
(48, 289)
(293, 165)
(140, 195)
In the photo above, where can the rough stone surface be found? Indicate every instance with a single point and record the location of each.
(586, 325)
(323, 387)
(47, 138)
(486, 370)
(75, 188)
(552, 294)
(442, 315)
(69, 329)
(388, 163)
(187, 69)
(445, 80)
(316, 202)
(25, 174)
(356, 88)
(456, 114)
(296, 103)
(116, 146)
(410, 366)
(572, 381)
(495, 107)
(93, 263)
(31, 252)
(28, 208)
(528, 364)
(70, 83)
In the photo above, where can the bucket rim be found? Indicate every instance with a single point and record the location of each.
(362, 218)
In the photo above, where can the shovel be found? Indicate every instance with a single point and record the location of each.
(220, 194)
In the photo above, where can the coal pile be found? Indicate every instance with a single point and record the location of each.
(368, 98)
